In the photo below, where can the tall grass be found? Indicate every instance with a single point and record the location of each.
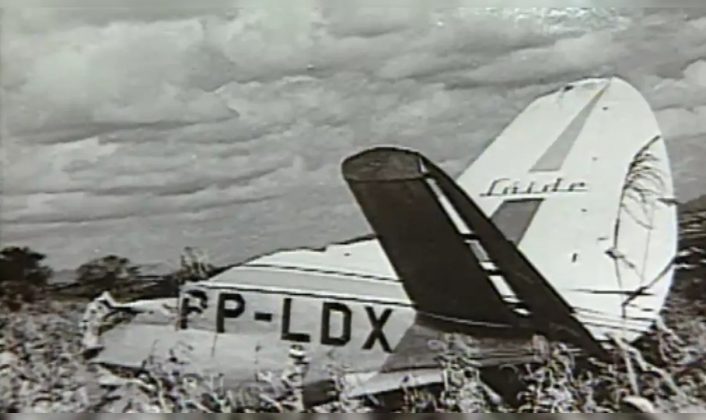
(41, 370)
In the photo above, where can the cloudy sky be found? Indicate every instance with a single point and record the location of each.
(139, 131)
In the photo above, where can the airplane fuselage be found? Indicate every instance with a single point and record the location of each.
(359, 327)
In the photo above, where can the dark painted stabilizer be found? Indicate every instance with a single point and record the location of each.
(439, 271)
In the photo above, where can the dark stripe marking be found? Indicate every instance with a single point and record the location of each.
(513, 217)
(554, 157)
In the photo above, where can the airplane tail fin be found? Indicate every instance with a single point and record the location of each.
(424, 222)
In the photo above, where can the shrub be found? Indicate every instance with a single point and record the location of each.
(22, 276)
(108, 271)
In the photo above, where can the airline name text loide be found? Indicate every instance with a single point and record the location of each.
(501, 187)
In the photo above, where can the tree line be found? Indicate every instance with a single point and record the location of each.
(25, 277)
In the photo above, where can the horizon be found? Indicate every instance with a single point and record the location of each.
(170, 266)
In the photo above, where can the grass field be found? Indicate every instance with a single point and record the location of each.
(42, 369)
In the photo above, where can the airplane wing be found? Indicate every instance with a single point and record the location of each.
(423, 219)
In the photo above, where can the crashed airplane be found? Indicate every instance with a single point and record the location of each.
(565, 227)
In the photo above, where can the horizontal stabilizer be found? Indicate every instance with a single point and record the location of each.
(438, 269)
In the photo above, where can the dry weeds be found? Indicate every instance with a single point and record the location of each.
(41, 370)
